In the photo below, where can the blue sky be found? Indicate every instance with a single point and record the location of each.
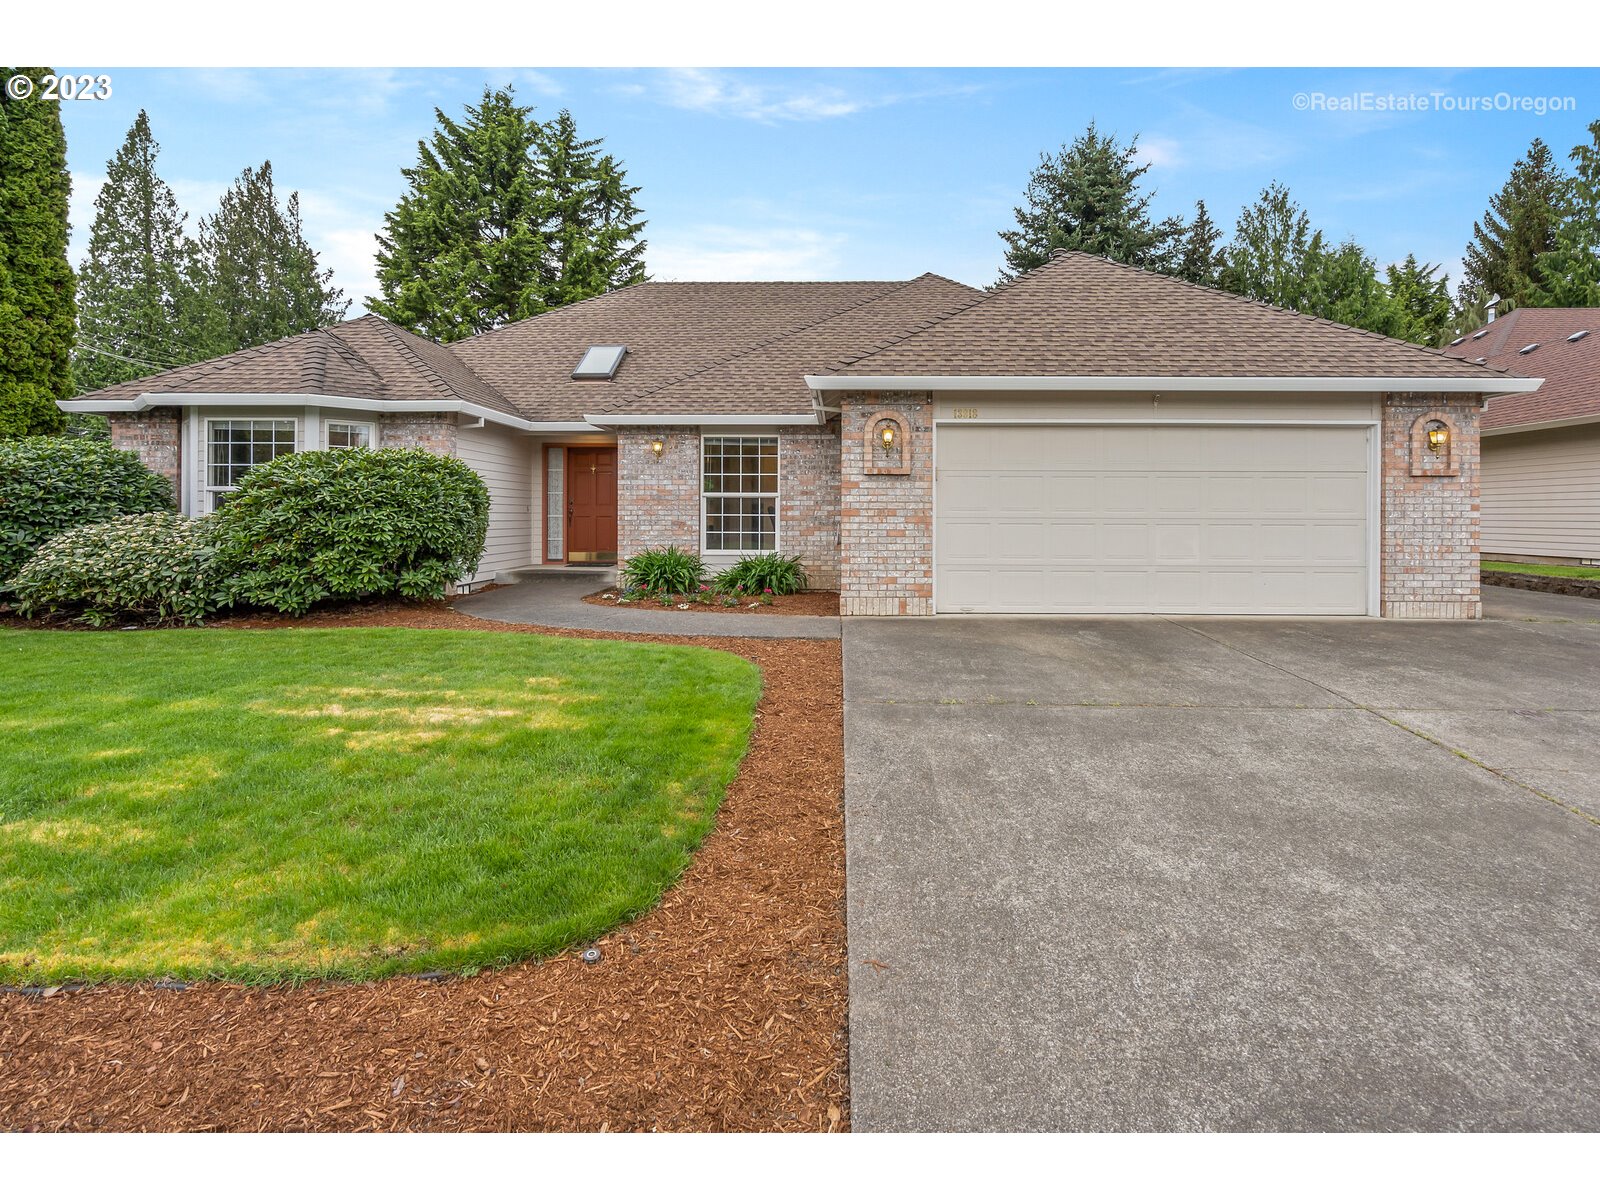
(818, 174)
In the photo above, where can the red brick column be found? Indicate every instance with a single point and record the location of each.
(885, 520)
(1430, 509)
(154, 435)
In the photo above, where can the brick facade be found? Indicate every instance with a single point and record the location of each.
(418, 431)
(885, 520)
(658, 500)
(808, 500)
(155, 435)
(1430, 509)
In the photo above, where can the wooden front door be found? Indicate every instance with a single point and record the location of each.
(592, 504)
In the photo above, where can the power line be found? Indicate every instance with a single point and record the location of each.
(138, 362)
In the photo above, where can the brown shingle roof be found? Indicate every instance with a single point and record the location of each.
(1571, 370)
(1079, 315)
(670, 330)
(366, 358)
(770, 377)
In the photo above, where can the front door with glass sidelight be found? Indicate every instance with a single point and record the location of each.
(591, 504)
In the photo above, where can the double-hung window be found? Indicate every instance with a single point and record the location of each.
(234, 446)
(349, 435)
(739, 494)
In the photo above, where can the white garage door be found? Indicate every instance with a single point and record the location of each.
(1151, 518)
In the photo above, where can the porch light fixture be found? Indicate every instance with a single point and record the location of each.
(1439, 439)
(658, 446)
(886, 436)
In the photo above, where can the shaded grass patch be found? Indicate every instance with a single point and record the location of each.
(269, 805)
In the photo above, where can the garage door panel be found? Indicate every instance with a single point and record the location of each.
(1218, 519)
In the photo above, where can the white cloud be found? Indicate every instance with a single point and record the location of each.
(1160, 152)
(538, 83)
(726, 252)
(723, 93)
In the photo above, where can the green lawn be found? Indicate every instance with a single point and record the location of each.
(1543, 569)
(263, 805)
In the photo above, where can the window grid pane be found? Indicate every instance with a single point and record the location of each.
(349, 435)
(740, 484)
(236, 446)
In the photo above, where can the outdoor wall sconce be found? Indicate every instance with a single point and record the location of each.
(886, 444)
(886, 435)
(658, 446)
(1435, 448)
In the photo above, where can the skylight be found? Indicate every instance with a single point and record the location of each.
(1529, 348)
(1579, 336)
(599, 362)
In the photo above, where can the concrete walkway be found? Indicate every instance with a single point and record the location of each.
(557, 600)
(1232, 874)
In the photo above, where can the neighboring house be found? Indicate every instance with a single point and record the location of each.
(1088, 438)
(1541, 449)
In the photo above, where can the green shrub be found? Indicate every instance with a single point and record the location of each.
(348, 524)
(668, 569)
(155, 567)
(50, 485)
(780, 574)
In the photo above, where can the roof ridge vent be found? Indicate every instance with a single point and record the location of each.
(1579, 336)
(1529, 348)
(1459, 340)
(1479, 334)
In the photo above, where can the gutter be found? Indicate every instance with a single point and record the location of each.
(1535, 426)
(612, 420)
(478, 412)
(1170, 383)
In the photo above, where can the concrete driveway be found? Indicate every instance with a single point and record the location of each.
(1152, 873)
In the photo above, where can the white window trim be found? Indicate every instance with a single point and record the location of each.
(207, 492)
(372, 431)
(776, 496)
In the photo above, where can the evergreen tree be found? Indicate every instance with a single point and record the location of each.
(132, 291)
(504, 217)
(1274, 250)
(257, 276)
(36, 291)
(1422, 310)
(1518, 227)
(1568, 275)
(1342, 285)
(1087, 197)
(593, 238)
(1198, 259)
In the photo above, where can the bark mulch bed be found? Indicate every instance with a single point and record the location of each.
(722, 1009)
(801, 604)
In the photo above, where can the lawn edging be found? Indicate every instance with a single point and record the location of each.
(1560, 585)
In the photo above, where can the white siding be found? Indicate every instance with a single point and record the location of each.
(504, 458)
(1541, 494)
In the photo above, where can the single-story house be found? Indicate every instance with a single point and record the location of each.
(1090, 438)
(1541, 449)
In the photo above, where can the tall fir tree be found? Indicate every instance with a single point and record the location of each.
(1422, 310)
(1274, 250)
(36, 289)
(1342, 285)
(1198, 258)
(1519, 226)
(133, 290)
(1568, 275)
(593, 240)
(504, 217)
(1087, 197)
(257, 277)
